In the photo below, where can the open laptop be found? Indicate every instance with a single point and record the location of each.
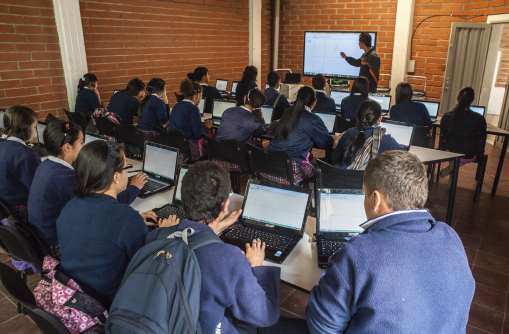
(234, 87)
(116, 91)
(338, 216)
(221, 85)
(479, 109)
(90, 137)
(276, 214)
(40, 132)
(267, 86)
(432, 108)
(218, 109)
(160, 164)
(401, 132)
(267, 112)
(201, 106)
(175, 207)
(383, 100)
(338, 97)
(2, 113)
(329, 118)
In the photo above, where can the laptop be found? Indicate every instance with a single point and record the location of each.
(267, 86)
(116, 91)
(160, 164)
(90, 137)
(383, 100)
(218, 109)
(40, 131)
(221, 85)
(401, 132)
(276, 214)
(338, 216)
(201, 106)
(329, 118)
(432, 108)
(338, 97)
(292, 78)
(234, 87)
(2, 113)
(479, 109)
(267, 114)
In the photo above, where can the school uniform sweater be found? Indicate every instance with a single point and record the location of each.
(309, 129)
(339, 156)
(54, 186)
(324, 103)
(86, 102)
(470, 122)
(210, 94)
(185, 116)
(98, 236)
(271, 95)
(155, 113)
(242, 89)
(124, 106)
(406, 273)
(412, 112)
(228, 281)
(239, 123)
(369, 64)
(350, 105)
(18, 163)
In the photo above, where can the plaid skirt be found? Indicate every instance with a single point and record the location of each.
(301, 172)
(22, 212)
(228, 165)
(194, 147)
(183, 159)
(149, 135)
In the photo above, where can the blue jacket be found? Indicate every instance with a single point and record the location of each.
(406, 273)
(210, 94)
(412, 112)
(86, 102)
(52, 188)
(309, 129)
(185, 116)
(339, 156)
(240, 124)
(155, 113)
(125, 106)
(242, 90)
(350, 105)
(271, 95)
(471, 122)
(228, 281)
(18, 164)
(324, 103)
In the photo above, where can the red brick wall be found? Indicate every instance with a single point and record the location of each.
(30, 62)
(503, 66)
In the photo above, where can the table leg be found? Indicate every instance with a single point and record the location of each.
(500, 164)
(452, 193)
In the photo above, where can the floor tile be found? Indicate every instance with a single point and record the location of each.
(490, 278)
(485, 318)
(19, 325)
(7, 310)
(495, 248)
(490, 298)
(469, 241)
(473, 330)
(471, 255)
(296, 303)
(287, 314)
(469, 229)
(492, 262)
(284, 292)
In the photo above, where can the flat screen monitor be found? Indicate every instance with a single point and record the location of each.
(221, 85)
(338, 96)
(432, 107)
(383, 100)
(478, 109)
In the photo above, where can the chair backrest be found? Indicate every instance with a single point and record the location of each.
(272, 162)
(50, 118)
(342, 124)
(278, 113)
(224, 150)
(179, 97)
(421, 137)
(79, 119)
(129, 134)
(19, 247)
(106, 127)
(469, 144)
(328, 176)
(175, 139)
(15, 286)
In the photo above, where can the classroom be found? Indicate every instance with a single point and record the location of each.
(254, 166)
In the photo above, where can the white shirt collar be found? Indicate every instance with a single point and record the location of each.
(245, 108)
(307, 108)
(60, 161)
(370, 222)
(356, 93)
(186, 100)
(321, 91)
(203, 84)
(16, 139)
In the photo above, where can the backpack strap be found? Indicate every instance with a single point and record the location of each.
(277, 100)
(166, 231)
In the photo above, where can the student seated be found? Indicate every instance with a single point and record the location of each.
(154, 110)
(323, 102)
(351, 151)
(296, 133)
(53, 185)
(238, 293)
(97, 234)
(408, 111)
(18, 162)
(209, 93)
(247, 83)
(185, 116)
(88, 98)
(273, 97)
(359, 93)
(125, 103)
(406, 273)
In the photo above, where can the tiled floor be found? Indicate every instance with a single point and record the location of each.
(483, 228)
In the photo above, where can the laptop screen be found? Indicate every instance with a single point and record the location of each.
(401, 133)
(221, 85)
(220, 107)
(338, 96)
(160, 161)
(201, 106)
(267, 86)
(342, 212)
(275, 206)
(328, 119)
(178, 189)
(432, 107)
(2, 113)
(383, 100)
(267, 114)
(40, 132)
(234, 87)
(116, 91)
(90, 138)
(478, 109)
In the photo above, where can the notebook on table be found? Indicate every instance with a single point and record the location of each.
(340, 212)
(432, 108)
(218, 109)
(276, 214)
(221, 85)
(267, 112)
(383, 100)
(479, 109)
(338, 96)
(401, 132)
(328, 118)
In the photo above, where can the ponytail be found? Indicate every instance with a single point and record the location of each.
(368, 115)
(198, 74)
(305, 98)
(154, 86)
(256, 99)
(465, 98)
(86, 80)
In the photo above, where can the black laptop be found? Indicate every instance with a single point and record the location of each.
(276, 214)
(401, 132)
(175, 207)
(328, 118)
(432, 108)
(218, 109)
(340, 212)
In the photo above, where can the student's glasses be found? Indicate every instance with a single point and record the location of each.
(127, 167)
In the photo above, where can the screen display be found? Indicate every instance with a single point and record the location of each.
(267, 86)
(322, 53)
(477, 109)
(342, 212)
(220, 107)
(221, 85)
(178, 194)
(401, 133)
(432, 107)
(276, 206)
(116, 91)
(338, 96)
(40, 132)
(234, 87)
(329, 120)
(267, 114)
(89, 138)
(2, 113)
(201, 106)
(160, 161)
(383, 100)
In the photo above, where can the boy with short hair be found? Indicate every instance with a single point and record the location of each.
(323, 102)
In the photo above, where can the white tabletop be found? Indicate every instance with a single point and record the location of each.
(431, 155)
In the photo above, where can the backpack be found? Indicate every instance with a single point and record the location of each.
(160, 292)
(369, 150)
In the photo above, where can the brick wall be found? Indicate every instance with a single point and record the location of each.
(30, 62)
(503, 66)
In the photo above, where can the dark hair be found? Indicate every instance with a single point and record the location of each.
(134, 87)
(305, 97)
(256, 99)
(360, 86)
(18, 121)
(465, 98)
(96, 167)
(86, 80)
(205, 187)
(189, 88)
(368, 115)
(365, 38)
(401, 177)
(198, 74)
(318, 81)
(273, 78)
(404, 92)
(154, 86)
(249, 75)
(58, 133)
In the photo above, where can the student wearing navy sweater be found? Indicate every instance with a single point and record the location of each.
(185, 116)
(209, 93)
(88, 98)
(18, 162)
(247, 83)
(97, 234)
(408, 111)
(154, 110)
(54, 186)
(238, 293)
(323, 102)
(125, 103)
(273, 97)
(406, 273)
(359, 93)
(296, 133)
(349, 153)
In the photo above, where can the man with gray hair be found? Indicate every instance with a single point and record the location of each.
(406, 273)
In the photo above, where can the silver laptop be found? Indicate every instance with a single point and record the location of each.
(432, 108)
(329, 119)
(383, 100)
(221, 85)
(234, 87)
(401, 132)
(219, 108)
(338, 97)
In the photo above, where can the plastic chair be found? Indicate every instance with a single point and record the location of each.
(106, 127)
(342, 124)
(179, 97)
(47, 323)
(272, 162)
(79, 119)
(131, 137)
(328, 176)
(19, 247)
(50, 118)
(174, 139)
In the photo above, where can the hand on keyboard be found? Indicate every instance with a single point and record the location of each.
(229, 220)
(149, 215)
(139, 180)
(170, 221)
(255, 253)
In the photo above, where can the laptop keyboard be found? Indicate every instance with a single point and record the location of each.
(152, 186)
(329, 247)
(272, 241)
(169, 210)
